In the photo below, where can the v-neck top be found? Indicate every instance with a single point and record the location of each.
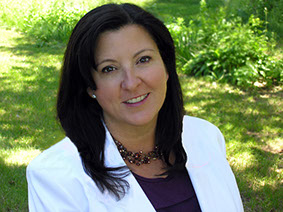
(172, 193)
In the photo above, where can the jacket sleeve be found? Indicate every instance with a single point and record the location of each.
(55, 190)
(221, 142)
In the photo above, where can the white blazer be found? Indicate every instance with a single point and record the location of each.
(57, 181)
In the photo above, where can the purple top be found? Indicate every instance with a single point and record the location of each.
(170, 194)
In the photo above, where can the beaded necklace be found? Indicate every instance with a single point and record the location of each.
(138, 158)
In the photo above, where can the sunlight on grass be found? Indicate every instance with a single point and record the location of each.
(271, 131)
(275, 146)
(260, 183)
(2, 111)
(242, 160)
(19, 156)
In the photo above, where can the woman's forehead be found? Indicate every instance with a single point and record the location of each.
(127, 39)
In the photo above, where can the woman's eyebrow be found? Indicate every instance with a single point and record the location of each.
(136, 54)
(141, 51)
(105, 60)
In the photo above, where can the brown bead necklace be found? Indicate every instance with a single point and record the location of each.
(138, 158)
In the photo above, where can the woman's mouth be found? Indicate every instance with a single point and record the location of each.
(137, 99)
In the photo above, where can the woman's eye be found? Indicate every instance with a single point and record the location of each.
(108, 69)
(144, 59)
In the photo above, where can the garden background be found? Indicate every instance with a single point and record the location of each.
(229, 59)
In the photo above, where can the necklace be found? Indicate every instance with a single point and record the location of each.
(138, 158)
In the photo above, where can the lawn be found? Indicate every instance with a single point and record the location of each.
(29, 78)
(251, 120)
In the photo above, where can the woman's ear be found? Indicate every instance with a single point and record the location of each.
(91, 93)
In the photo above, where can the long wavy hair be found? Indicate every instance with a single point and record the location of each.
(81, 116)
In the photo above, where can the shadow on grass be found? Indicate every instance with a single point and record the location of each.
(243, 111)
(257, 190)
(12, 181)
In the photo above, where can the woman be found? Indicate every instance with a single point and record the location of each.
(128, 145)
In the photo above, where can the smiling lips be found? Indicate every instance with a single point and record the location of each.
(137, 100)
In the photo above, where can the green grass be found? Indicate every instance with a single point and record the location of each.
(29, 78)
(250, 120)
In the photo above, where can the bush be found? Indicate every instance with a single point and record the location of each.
(45, 21)
(55, 24)
(226, 49)
(269, 11)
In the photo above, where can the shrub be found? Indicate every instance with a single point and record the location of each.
(55, 24)
(45, 21)
(269, 11)
(225, 49)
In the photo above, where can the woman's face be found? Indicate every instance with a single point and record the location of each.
(131, 77)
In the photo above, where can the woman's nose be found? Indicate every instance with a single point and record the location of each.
(131, 80)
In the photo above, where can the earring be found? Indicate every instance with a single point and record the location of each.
(93, 96)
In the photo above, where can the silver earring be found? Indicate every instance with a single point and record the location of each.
(93, 96)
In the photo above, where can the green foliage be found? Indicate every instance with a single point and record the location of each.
(55, 24)
(47, 21)
(226, 49)
(52, 22)
(268, 10)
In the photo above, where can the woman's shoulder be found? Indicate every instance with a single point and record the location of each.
(57, 181)
(63, 154)
(193, 123)
(198, 132)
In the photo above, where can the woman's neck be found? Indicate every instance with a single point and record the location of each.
(134, 138)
